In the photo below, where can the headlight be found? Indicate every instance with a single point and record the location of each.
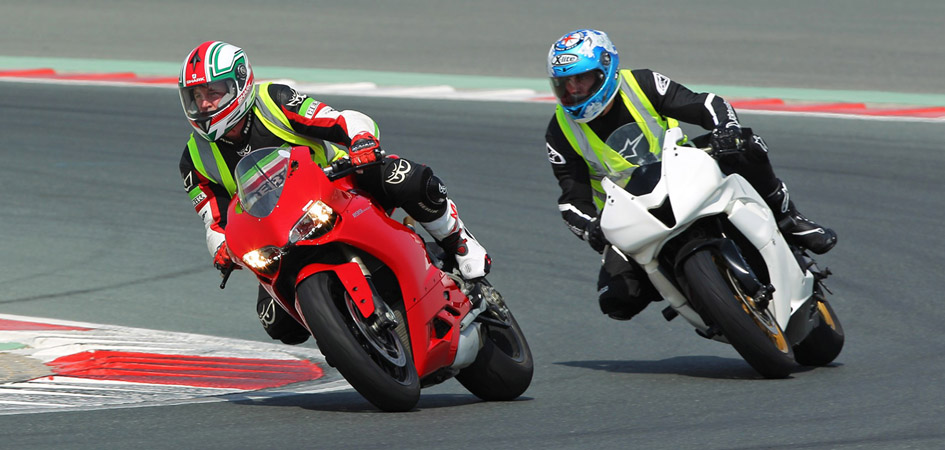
(317, 220)
(264, 260)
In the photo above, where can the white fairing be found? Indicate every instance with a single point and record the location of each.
(696, 188)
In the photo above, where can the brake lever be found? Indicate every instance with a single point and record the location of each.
(226, 276)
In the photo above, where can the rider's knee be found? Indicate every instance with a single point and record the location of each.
(623, 296)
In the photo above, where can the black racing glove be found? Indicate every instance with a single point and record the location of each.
(727, 139)
(595, 236)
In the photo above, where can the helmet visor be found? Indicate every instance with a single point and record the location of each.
(575, 89)
(204, 100)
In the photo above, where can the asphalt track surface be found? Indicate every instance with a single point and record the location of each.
(100, 231)
(97, 228)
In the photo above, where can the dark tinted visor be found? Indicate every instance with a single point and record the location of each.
(575, 89)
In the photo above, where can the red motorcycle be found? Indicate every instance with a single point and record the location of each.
(375, 296)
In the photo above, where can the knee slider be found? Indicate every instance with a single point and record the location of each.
(279, 324)
(623, 287)
(414, 188)
(435, 191)
(403, 177)
(622, 297)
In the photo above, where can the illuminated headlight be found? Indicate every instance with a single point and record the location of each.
(264, 260)
(317, 220)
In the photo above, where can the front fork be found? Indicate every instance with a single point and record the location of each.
(730, 257)
(384, 318)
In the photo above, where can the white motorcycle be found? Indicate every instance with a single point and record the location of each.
(712, 248)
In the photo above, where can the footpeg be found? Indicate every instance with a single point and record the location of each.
(669, 313)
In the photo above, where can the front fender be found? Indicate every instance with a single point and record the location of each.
(731, 256)
(351, 277)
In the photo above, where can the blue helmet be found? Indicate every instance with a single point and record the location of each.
(583, 68)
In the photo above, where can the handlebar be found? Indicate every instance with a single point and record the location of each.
(716, 153)
(343, 167)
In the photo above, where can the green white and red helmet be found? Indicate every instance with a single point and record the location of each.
(225, 69)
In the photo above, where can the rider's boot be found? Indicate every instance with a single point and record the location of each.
(450, 233)
(796, 228)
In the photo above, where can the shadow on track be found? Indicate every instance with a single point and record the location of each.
(690, 366)
(352, 402)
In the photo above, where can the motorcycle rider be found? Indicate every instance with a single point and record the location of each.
(595, 99)
(232, 115)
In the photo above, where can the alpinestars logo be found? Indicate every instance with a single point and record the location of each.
(629, 149)
(553, 156)
(662, 82)
(297, 98)
(759, 142)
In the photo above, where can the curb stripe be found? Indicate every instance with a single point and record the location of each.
(763, 105)
(51, 365)
(20, 325)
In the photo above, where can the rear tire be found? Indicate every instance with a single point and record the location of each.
(754, 333)
(503, 368)
(824, 342)
(376, 363)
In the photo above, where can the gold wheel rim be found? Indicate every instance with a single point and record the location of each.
(825, 313)
(762, 318)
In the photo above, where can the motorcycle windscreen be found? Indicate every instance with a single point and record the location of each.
(630, 142)
(260, 177)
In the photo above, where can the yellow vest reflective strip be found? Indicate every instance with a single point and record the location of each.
(201, 151)
(275, 121)
(656, 124)
(600, 158)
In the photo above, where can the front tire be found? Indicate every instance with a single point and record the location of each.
(374, 361)
(754, 333)
(503, 368)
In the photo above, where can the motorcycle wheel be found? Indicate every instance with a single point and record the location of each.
(374, 361)
(825, 341)
(754, 333)
(503, 368)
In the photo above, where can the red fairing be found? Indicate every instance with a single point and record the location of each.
(428, 293)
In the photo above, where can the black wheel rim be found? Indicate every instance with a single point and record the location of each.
(382, 345)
